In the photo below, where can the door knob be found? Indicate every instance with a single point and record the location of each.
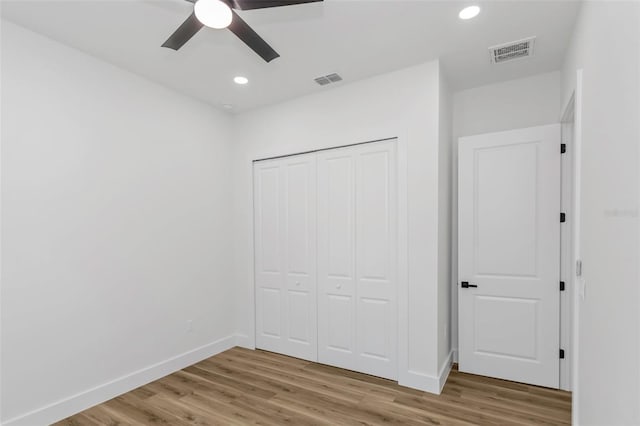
(465, 284)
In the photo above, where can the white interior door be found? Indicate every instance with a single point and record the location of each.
(357, 258)
(509, 254)
(285, 255)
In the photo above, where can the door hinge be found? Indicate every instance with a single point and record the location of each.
(561, 353)
(563, 148)
(561, 285)
(563, 218)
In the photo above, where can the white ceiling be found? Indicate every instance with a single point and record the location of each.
(356, 38)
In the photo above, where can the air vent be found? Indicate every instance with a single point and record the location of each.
(511, 51)
(328, 79)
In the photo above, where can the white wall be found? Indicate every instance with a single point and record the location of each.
(115, 228)
(606, 46)
(444, 224)
(513, 104)
(400, 104)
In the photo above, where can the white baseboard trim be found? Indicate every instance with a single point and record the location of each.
(455, 355)
(244, 341)
(420, 381)
(83, 400)
(425, 382)
(443, 374)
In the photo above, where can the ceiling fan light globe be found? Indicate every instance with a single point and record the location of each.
(213, 13)
(469, 12)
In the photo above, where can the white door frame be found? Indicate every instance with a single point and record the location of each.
(571, 171)
(401, 138)
(572, 113)
(567, 249)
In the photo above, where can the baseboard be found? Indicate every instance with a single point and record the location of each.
(443, 374)
(244, 341)
(81, 401)
(425, 382)
(420, 381)
(455, 355)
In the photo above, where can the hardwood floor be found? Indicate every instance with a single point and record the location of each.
(241, 386)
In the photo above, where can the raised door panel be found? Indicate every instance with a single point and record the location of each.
(506, 174)
(300, 321)
(268, 217)
(338, 216)
(340, 323)
(271, 307)
(506, 327)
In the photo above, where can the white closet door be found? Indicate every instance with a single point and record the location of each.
(357, 258)
(285, 255)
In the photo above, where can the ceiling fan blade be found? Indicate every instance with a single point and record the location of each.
(245, 33)
(184, 33)
(262, 4)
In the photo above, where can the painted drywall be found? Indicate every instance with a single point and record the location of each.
(1, 399)
(115, 227)
(401, 104)
(444, 223)
(513, 104)
(606, 47)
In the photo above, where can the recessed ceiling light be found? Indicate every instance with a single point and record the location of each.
(213, 13)
(469, 12)
(240, 80)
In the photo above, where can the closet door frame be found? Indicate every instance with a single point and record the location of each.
(400, 137)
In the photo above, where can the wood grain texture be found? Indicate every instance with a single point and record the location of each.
(240, 387)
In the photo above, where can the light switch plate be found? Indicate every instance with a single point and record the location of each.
(581, 288)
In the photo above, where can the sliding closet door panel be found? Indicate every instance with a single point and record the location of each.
(285, 232)
(300, 246)
(357, 258)
(336, 266)
(268, 255)
(376, 258)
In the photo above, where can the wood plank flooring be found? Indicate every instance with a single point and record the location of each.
(241, 386)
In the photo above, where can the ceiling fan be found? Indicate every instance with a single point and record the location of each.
(219, 14)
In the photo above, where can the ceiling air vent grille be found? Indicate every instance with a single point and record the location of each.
(328, 79)
(513, 50)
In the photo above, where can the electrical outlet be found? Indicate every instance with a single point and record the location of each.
(189, 326)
